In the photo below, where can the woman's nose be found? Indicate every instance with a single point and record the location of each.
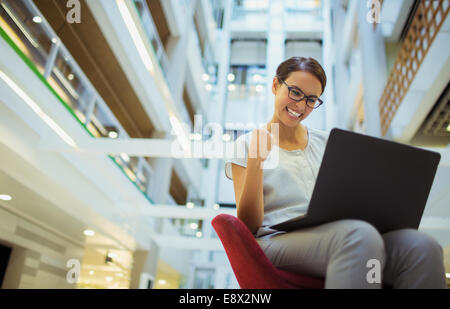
(301, 103)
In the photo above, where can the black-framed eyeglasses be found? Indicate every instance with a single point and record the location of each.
(297, 95)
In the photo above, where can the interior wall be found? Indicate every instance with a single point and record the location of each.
(38, 257)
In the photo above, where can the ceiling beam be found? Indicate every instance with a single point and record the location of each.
(182, 212)
(188, 243)
(143, 147)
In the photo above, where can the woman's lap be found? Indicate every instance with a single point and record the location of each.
(342, 249)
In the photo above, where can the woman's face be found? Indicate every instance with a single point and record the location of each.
(309, 85)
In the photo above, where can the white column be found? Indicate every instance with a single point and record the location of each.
(162, 171)
(176, 50)
(373, 56)
(330, 107)
(210, 177)
(275, 52)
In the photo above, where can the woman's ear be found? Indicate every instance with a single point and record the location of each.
(275, 85)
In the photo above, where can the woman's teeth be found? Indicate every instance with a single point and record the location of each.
(292, 113)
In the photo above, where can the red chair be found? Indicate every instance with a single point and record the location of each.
(252, 268)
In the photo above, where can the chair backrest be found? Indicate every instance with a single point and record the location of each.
(251, 266)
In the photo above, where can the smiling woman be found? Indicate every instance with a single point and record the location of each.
(297, 85)
(265, 195)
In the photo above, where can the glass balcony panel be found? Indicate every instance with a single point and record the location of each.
(188, 227)
(142, 179)
(306, 6)
(250, 15)
(70, 85)
(152, 34)
(304, 16)
(250, 21)
(145, 176)
(133, 164)
(31, 37)
(246, 83)
(128, 165)
(261, 5)
(101, 122)
(25, 26)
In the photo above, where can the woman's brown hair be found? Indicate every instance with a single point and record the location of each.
(309, 65)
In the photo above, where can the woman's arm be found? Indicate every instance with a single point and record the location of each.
(248, 189)
(248, 182)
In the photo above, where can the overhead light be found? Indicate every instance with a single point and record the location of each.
(91, 272)
(205, 77)
(216, 206)
(5, 197)
(231, 87)
(259, 88)
(37, 19)
(66, 84)
(89, 232)
(58, 130)
(190, 205)
(256, 77)
(70, 76)
(162, 281)
(208, 87)
(135, 35)
(112, 255)
(193, 226)
(109, 278)
(113, 134)
(125, 157)
(55, 41)
(448, 128)
(199, 234)
(231, 77)
(226, 137)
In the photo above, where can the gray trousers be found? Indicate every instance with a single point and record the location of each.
(349, 253)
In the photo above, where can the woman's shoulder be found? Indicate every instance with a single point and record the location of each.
(319, 134)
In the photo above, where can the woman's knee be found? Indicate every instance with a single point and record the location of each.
(362, 235)
(417, 243)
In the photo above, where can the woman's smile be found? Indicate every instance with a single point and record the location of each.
(293, 115)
